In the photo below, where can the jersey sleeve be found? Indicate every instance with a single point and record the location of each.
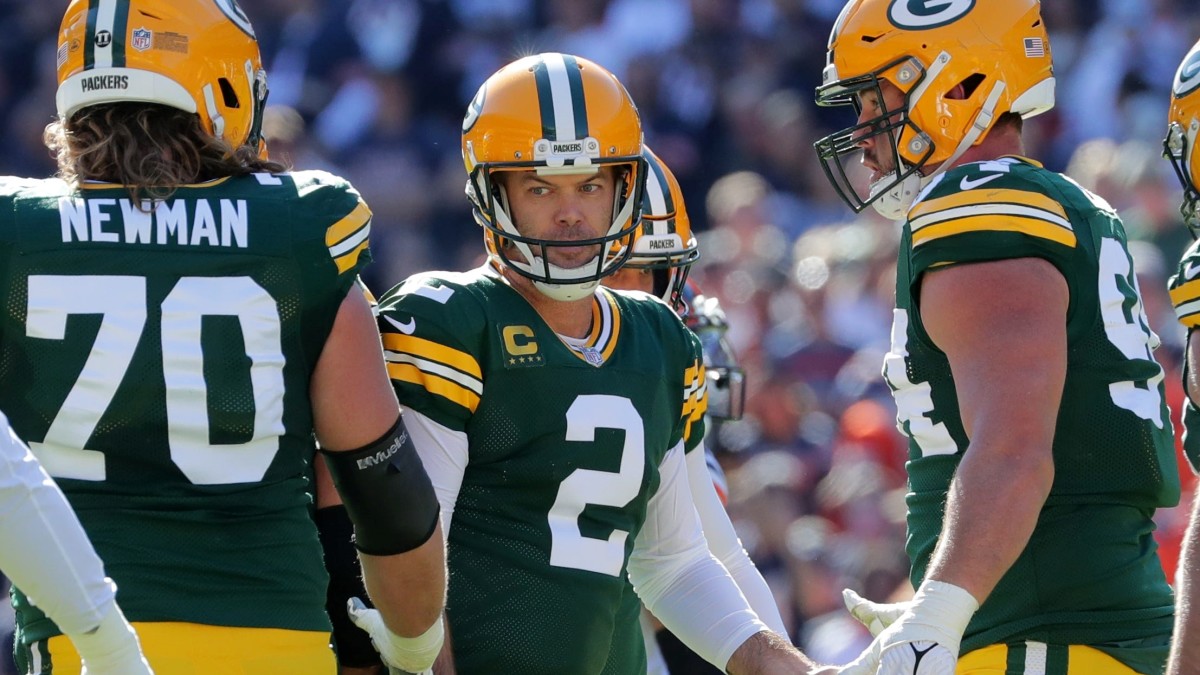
(432, 340)
(695, 394)
(1184, 287)
(345, 218)
(982, 212)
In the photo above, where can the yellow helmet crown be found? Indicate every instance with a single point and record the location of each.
(555, 114)
(1183, 130)
(997, 50)
(199, 56)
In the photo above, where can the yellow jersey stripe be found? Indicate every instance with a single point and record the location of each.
(1185, 293)
(432, 351)
(348, 225)
(615, 329)
(698, 409)
(451, 391)
(991, 198)
(345, 262)
(1025, 225)
(597, 323)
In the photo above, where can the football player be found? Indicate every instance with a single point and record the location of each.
(553, 414)
(663, 252)
(1021, 360)
(183, 318)
(46, 552)
(1182, 149)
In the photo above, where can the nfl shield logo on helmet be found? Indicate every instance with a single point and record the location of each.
(142, 39)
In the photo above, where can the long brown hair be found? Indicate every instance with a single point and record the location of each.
(151, 149)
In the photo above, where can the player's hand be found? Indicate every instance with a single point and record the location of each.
(874, 615)
(112, 648)
(400, 655)
(924, 639)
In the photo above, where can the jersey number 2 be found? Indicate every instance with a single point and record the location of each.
(568, 546)
(121, 302)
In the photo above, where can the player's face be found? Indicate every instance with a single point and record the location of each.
(562, 208)
(879, 155)
(631, 279)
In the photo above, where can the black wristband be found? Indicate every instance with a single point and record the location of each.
(351, 643)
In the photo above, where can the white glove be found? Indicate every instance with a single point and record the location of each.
(874, 615)
(400, 654)
(924, 639)
(112, 648)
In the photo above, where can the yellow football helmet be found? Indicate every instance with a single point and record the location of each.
(199, 56)
(554, 114)
(998, 50)
(1183, 132)
(664, 242)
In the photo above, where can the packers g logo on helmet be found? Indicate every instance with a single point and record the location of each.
(475, 108)
(1181, 145)
(919, 14)
(1188, 76)
(236, 15)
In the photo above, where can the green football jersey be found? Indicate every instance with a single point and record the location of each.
(564, 445)
(1090, 573)
(158, 363)
(1185, 296)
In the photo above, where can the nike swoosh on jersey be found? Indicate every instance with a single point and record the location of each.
(1191, 270)
(969, 184)
(407, 328)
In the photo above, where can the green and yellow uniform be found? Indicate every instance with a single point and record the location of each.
(1090, 574)
(1185, 296)
(158, 362)
(564, 448)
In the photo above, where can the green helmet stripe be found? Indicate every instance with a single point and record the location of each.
(560, 98)
(119, 30)
(89, 42)
(541, 78)
(578, 104)
(107, 23)
(658, 201)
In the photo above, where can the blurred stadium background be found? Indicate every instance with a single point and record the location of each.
(375, 90)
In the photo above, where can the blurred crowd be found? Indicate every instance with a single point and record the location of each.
(375, 90)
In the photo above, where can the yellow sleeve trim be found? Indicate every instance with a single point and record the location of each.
(348, 260)
(1185, 293)
(351, 223)
(427, 349)
(434, 384)
(995, 223)
(990, 198)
